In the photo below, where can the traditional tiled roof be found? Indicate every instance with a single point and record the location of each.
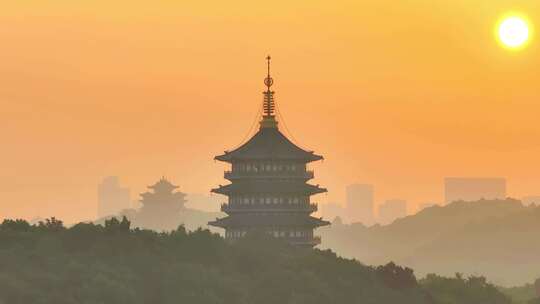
(269, 220)
(163, 185)
(254, 186)
(269, 144)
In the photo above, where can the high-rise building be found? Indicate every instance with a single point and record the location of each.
(360, 206)
(112, 198)
(473, 189)
(392, 210)
(269, 191)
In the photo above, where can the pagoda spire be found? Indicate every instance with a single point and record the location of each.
(269, 106)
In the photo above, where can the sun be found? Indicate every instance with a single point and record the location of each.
(513, 32)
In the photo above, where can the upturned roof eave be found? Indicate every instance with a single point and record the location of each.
(234, 221)
(228, 189)
(230, 157)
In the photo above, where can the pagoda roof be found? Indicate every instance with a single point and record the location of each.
(266, 220)
(163, 185)
(253, 186)
(266, 144)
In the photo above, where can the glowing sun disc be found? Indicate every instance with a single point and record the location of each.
(513, 32)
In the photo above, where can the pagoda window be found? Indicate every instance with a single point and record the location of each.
(295, 200)
(276, 200)
(248, 167)
(268, 200)
(246, 201)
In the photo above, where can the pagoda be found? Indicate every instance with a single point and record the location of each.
(161, 206)
(269, 190)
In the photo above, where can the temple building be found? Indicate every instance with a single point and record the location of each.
(161, 206)
(269, 190)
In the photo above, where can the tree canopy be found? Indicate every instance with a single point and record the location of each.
(113, 263)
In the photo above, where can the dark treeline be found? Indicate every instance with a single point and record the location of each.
(112, 263)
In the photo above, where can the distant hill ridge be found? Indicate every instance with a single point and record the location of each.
(495, 238)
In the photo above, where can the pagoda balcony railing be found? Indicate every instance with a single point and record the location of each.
(269, 208)
(309, 174)
(314, 240)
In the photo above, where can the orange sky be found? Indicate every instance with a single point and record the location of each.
(395, 93)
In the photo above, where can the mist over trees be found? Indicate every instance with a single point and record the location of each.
(113, 263)
(494, 238)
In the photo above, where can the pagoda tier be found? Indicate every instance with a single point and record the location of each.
(269, 143)
(268, 186)
(279, 221)
(269, 189)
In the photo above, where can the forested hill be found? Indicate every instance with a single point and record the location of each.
(90, 264)
(494, 238)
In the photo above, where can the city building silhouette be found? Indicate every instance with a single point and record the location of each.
(112, 198)
(360, 206)
(269, 191)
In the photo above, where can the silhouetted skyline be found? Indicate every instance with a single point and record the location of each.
(162, 89)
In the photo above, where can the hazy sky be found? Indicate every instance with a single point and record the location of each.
(395, 93)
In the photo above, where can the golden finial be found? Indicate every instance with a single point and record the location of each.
(269, 120)
(268, 81)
